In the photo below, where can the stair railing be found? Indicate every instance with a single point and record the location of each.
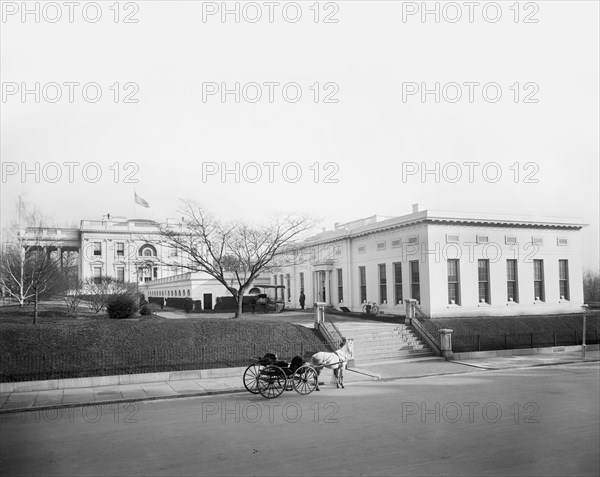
(411, 318)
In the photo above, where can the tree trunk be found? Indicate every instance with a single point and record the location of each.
(35, 305)
(239, 305)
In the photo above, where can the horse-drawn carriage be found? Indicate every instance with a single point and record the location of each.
(269, 376)
(269, 304)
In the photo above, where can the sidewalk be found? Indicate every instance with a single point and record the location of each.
(390, 370)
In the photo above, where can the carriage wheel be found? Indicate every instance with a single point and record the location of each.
(305, 380)
(271, 382)
(251, 377)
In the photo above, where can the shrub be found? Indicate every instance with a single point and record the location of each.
(121, 306)
(143, 300)
(149, 309)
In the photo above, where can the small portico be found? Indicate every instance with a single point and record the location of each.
(322, 273)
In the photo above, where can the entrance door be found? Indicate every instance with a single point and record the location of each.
(207, 300)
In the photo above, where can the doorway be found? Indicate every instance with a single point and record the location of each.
(207, 300)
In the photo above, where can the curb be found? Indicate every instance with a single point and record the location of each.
(117, 401)
(537, 365)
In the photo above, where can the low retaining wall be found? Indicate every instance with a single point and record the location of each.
(506, 353)
(144, 378)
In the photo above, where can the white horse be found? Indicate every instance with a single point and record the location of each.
(336, 361)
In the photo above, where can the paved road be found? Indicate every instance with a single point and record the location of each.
(532, 421)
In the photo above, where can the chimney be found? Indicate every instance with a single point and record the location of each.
(415, 208)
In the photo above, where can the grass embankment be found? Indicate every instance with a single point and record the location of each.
(93, 345)
(492, 333)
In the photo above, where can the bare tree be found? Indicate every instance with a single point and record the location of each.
(30, 268)
(235, 254)
(97, 291)
(73, 297)
(591, 287)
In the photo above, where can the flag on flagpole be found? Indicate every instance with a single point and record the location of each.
(140, 201)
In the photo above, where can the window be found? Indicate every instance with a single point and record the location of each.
(396, 243)
(147, 251)
(173, 252)
(289, 287)
(453, 282)
(301, 281)
(362, 249)
(340, 285)
(398, 283)
(382, 284)
(562, 241)
(483, 239)
(413, 239)
(510, 240)
(483, 267)
(97, 274)
(538, 240)
(120, 274)
(362, 274)
(451, 238)
(512, 288)
(97, 249)
(155, 272)
(415, 287)
(120, 249)
(563, 279)
(538, 280)
(381, 246)
(275, 283)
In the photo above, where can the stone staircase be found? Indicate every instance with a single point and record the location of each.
(384, 341)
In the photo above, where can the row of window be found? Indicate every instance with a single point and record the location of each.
(415, 286)
(287, 284)
(454, 288)
(453, 238)
(120, 274)
(145, 251)
(168, 293)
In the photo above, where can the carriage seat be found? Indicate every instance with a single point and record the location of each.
(267, 359)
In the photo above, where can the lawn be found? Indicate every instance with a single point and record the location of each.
(490, 333)
(94, 345)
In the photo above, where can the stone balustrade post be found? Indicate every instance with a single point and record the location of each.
(446, 343)
(319, 310)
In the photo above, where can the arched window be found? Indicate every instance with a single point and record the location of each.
(188, 292)
(147, 250)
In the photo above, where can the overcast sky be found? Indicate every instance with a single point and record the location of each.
(353, 145)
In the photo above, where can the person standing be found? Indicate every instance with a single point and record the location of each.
(302, 299)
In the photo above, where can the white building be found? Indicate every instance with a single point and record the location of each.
(454, 264)
(130, 251)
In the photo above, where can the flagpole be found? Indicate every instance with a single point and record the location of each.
(134, 201)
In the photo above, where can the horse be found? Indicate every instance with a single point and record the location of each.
(336, 361)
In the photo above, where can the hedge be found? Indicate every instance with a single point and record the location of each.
(180, 303)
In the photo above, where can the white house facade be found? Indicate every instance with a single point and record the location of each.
(453, 264)
(129, 250)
